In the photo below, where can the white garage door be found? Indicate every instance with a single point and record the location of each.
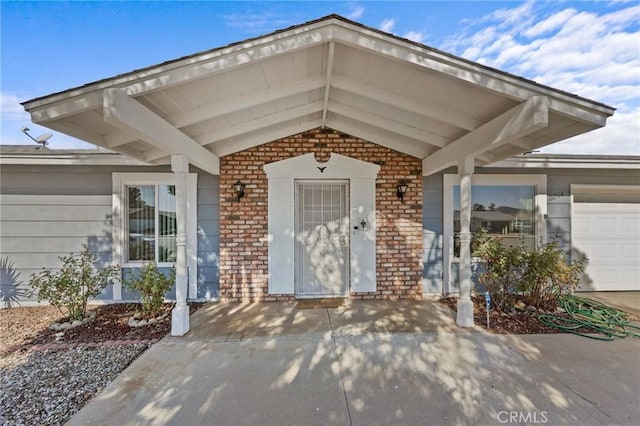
(606, 228)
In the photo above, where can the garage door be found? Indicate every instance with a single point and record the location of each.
(606, 229)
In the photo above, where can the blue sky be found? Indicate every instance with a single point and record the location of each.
(591, 49)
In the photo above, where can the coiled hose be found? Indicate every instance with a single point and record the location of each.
(607, 323)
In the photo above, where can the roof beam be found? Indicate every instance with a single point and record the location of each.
(259, 123)
(228, 59)
(225, 133)
(327, 86)
(438, 113)
(227, 106)
(220, 108)
(129, 115)
(390, 125)
(520, 121)
(415, 149)
(477, 75)
(231, 146)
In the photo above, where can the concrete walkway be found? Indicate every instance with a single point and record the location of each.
(628, 301)
(368, 363)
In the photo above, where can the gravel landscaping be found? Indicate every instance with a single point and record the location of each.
(47, 375)
(48, 387)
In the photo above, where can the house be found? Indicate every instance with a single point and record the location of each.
(316, 161)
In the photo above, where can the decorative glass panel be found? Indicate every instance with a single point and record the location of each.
(141, 223)
(167, 223)
(504, 211)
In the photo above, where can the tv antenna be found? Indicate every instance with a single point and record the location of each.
(42, 139)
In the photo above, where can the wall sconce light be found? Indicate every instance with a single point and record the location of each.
(401, 189)
(239, 188)
(363, 224)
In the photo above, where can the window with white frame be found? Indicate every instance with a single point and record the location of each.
(144, 218)
(151, 223)
(512, 207)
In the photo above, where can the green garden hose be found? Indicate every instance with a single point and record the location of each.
(607, 323)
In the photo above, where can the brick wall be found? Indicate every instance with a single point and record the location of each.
(243, 225)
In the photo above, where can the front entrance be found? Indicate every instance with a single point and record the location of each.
(321, 238)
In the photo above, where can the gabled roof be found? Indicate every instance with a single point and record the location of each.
(329, 72)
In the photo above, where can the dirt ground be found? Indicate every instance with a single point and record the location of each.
(30, 325)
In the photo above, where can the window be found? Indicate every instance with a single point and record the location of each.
(506, 211)
(151, 223)
(144, 219)
(145, 225)
(513, 206)
(524, 195)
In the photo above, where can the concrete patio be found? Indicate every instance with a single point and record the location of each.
(368, 363)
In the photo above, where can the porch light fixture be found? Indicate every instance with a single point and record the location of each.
(239, 188)
(401, 189)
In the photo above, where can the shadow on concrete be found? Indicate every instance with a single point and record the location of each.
(365, 363)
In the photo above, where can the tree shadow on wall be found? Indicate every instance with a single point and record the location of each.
(10, 290)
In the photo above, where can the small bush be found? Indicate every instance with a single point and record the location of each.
(77, 282)
(152, 284)
(539, 276)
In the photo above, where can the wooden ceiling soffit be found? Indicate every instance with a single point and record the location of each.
(520, 121)
(129, 115)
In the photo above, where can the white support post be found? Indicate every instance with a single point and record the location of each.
(180, 314)
(465, 305)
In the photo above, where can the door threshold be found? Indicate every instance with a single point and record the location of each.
(320, 303)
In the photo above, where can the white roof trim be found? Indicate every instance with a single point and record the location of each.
(71, 159)
(569, 162)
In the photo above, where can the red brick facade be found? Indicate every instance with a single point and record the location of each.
(243, 225)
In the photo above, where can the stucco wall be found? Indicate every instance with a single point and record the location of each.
(243, 225)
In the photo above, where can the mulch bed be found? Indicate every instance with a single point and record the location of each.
(519, 322)
(23, 326)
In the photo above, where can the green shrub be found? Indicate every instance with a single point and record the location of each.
(548, 275)
(503, 267)
(70, 288)
(539, 276)
(152, 284)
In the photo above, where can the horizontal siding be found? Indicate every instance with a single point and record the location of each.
(432, 234)
(47, 212)
(54, 200)
(85, 228)
(208, 235)
(54, 244)
(54, 213)
(50, 211)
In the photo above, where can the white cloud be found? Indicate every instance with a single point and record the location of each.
(11, 110)
(595, 55)
(621, 136)
(257, 22)
(356, 12)
(550, 24)
(417, 36)
(387, 25)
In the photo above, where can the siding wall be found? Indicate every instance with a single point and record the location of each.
(50, 211)
(559, 183)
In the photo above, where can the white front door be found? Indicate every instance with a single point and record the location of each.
(322, 238)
